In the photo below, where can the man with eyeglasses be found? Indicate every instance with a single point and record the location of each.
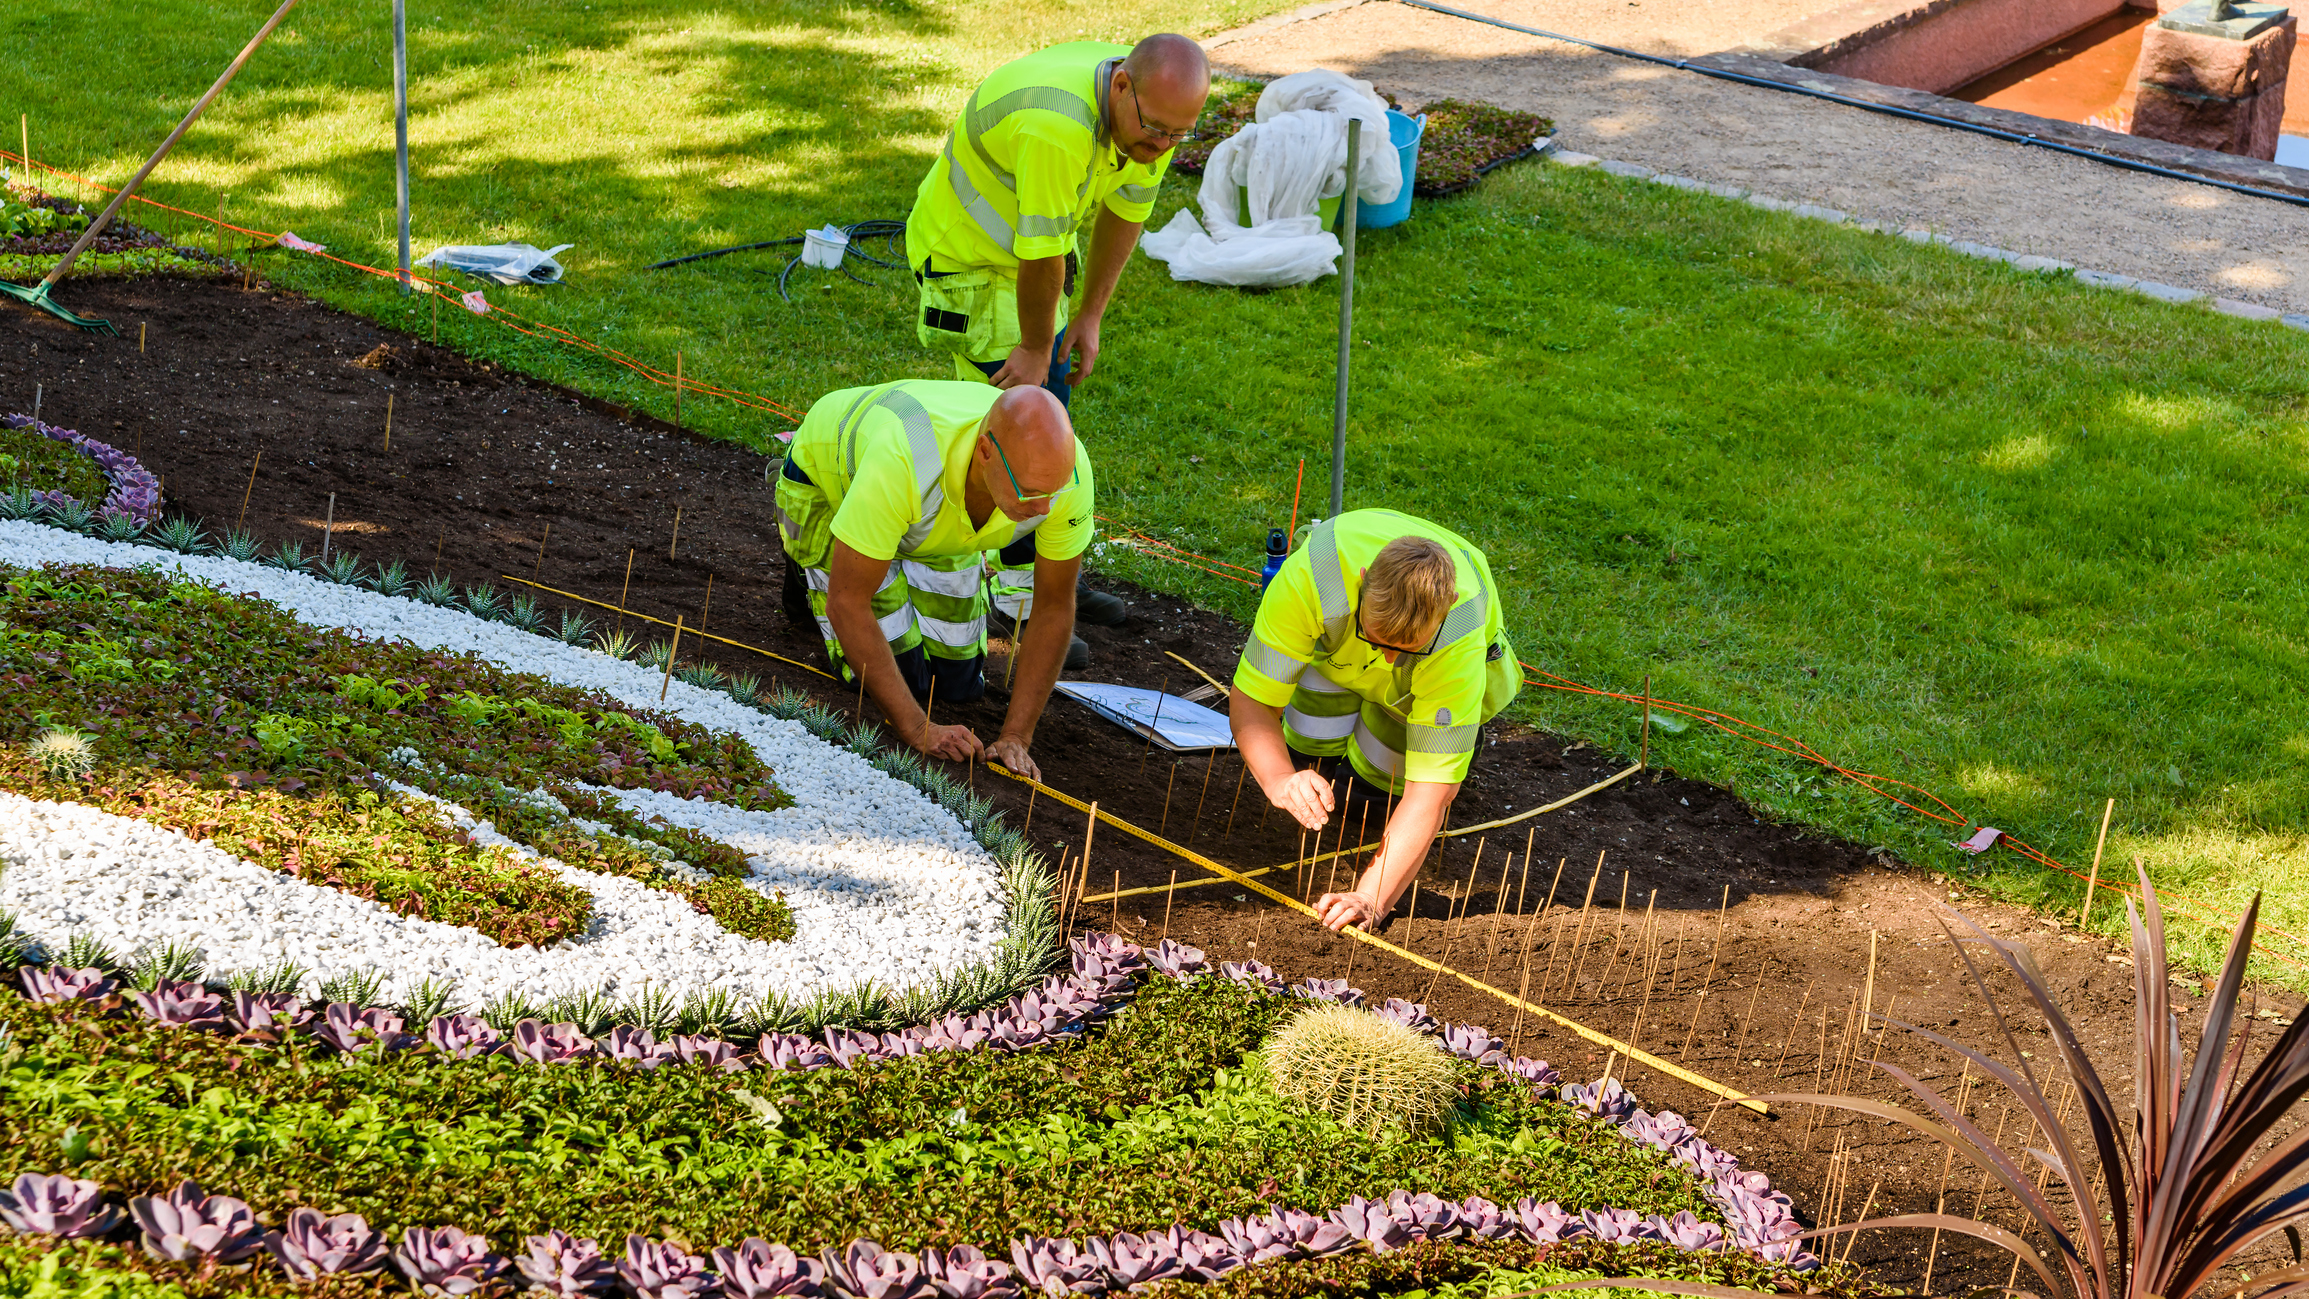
(889, 500)
(1379, 647)
(1077, 135)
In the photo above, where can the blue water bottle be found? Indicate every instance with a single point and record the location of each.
(1278, 550)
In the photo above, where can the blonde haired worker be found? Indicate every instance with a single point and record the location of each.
(1381, 642)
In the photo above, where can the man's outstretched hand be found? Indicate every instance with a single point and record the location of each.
(1012, 754)
(1339, 910)
(1306, 796)
(953, 743)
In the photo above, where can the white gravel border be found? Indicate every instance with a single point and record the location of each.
(885, 886)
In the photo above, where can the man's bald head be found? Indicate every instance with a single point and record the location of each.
(1028, 429)
(1159, 94)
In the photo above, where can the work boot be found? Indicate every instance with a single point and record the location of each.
(1001, 624)
(1097, 607)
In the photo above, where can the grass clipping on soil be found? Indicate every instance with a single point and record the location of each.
(1367, 1073)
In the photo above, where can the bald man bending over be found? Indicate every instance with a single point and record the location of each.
(1072, 136)
(889, 502)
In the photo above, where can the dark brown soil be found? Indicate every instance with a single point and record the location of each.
(483, 461)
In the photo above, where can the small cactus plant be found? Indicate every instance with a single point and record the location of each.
(62, 753)
(1367, 1072)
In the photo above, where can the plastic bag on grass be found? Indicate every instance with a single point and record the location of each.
(504, 263)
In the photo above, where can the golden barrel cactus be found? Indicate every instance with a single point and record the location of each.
(1362, 1070)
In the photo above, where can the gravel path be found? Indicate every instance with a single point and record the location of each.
(884, 885)
(1787, 146)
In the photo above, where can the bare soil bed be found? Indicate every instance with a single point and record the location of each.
(482, 462)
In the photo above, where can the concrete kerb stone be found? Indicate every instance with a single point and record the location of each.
(2246, 310)
(2165, 292)
(1917, 235)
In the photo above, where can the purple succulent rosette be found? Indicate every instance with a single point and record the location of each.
(135, 491)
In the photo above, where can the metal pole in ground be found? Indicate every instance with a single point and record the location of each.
(401, 128)
(1346, 321)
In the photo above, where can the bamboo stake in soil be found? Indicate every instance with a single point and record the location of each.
(1156, 724)
(539, 566)
(1168, 894)
(1208, 768)
(1114, 918)
(1523, 989)
(1168, 786)
(1947, 1163)
(1238, 800)
(439, 538)
(2092, 882)
(1723, 914)
(624, 590)
(1410, 914)
(1651, 972)
(329, 528)
(1580, 936)
(1868, 989)
(1498, 918)
(1554, 923)
(1451, 938)
(1029, 827)
(1780, 1070)
(243, 516)
(709, 604)
(675, 544)
(1088, 831)
(388, 406)
(670, 651)
(1619, 936)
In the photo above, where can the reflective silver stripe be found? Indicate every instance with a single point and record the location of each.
(846, 436)
(957, 635)
(1135, 193)
(1051, 99)
(1330, 582)
(1272, 663)
(929, 466)
(974, 202)
(1466, 617)
(1321, 728)
(1025, 526)
(961, 583)
(1042, 227)
(1386, 761)
(1440, 739)
(1319, 684)
(821, 580)
(896, 623)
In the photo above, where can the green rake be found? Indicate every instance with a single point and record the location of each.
(37, 295)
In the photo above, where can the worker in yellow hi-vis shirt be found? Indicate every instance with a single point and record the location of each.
(1074, 136)
(887, 504)
(1380, 642)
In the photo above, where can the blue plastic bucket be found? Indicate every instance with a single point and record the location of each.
(1403, 132)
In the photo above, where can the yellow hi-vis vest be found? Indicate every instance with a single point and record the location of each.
(1027, 164)
(1426, 708)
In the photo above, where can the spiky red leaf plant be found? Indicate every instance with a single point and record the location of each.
(2181, 1195)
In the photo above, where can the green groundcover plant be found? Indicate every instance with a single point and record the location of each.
(1163, 1115)
(225, 718)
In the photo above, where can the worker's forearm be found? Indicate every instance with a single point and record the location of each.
(1403, 845)
(1041, 654)
(1041, 283)
(1259, 738)
(1110, 246)
(870, 657)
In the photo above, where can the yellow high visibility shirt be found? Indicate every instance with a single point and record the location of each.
(892, 458)
(1027, 163)
(1309, 619)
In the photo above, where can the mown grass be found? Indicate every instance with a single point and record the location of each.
(2023, 543)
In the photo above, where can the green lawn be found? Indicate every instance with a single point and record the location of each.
(2026, 544)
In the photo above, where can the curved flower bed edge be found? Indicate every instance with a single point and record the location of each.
(191, 1226)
